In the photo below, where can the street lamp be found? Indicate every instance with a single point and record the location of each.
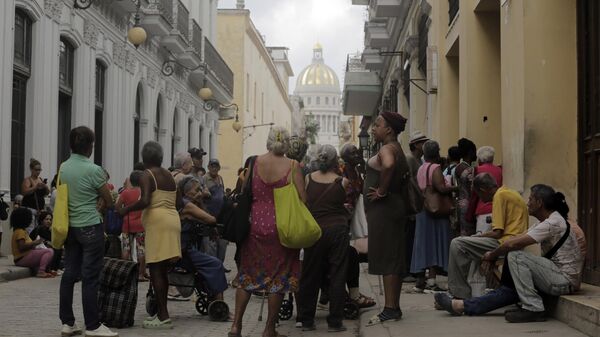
(363, 139)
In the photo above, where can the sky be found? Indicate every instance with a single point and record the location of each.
(299, 24)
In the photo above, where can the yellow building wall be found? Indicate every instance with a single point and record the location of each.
(230, 36)
(258, 92)
(550, 92)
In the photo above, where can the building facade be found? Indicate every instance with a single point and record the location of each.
(517, 75)
(261, 89)
(63, 66)
(319, 88)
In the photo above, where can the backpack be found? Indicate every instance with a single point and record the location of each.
(114, 222)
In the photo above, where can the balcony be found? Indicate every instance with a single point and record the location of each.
(376, 34)
(178, 39)
(389, 8)
(362, 89)
(157, 17)
(372, 60)
(192, 58)
(128, 6)
(217, 75)
(453, 10)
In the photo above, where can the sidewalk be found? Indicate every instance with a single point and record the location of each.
(421, 319)
(10, 272)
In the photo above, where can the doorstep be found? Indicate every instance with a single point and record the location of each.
(580, 310)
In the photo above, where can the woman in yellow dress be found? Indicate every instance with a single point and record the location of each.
(162, 225)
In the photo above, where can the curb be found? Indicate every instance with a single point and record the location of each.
(14, 273)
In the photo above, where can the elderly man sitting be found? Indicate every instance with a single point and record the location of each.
(525, 276)
(509, 218)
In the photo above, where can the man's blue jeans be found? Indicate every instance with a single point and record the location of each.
(84, 256)
(491, 301)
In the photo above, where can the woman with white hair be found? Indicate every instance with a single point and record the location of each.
(481, 211)
(326, 196)
(265, 264)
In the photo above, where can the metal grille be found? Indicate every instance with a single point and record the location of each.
(216, 63)
(453, 10)
(197, 37)
(166, 9)
(183, 20)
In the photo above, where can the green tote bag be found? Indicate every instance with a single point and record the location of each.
(295, 225)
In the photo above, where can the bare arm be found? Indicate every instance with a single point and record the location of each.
(388, 162)
(28, 187)
(105, 194)
(515, 243)
(198, 213)
(299, 181)
(494, 234)
(146, 187)
(439, 183)
(23, 247)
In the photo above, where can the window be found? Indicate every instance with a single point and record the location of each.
(65, 96)
(318, 100)
(308, 101)
(65, 69)
(99, 112)
(262, 107)
(21, 73)
(255, 100)
(200, 135)
(326, 100)
(189, 134)
(136, 124)
(173, 135)
(157, 120)
(22, 54)
(247, 98)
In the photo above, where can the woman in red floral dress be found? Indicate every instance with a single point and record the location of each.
(265, 264)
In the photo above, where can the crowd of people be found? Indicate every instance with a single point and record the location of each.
(410, 217)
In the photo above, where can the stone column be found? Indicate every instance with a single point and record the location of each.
(7, 17)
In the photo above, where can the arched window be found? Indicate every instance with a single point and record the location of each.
(99, 112)
(65, 96)
(21, 74)
(157, 120)
(136, 124)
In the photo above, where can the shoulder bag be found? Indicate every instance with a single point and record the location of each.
(437, 204)
(235, 213)
(60, 216)
(296, 226)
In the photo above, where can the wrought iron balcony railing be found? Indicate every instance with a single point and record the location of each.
(453, 10)
(182, 19)
(216, 64)
(196, 39)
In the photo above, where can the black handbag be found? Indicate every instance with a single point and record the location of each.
(235, 215)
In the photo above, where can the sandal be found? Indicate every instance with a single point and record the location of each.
(382, 317)
(364, 302)
(158, 324)
(44, 275)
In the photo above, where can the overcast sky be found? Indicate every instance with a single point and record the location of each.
(299, 24)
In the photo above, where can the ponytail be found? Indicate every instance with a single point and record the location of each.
(559, 204)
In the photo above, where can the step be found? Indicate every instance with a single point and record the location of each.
(581, 310)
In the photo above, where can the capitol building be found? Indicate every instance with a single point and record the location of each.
(319, 88)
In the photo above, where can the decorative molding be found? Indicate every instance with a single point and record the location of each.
(151, 78)
(131, 62)
(90, 34)
(170, 91)
(144, 121)
(119, 54)
(53, 9)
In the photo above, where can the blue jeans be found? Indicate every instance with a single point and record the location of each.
(84, 256)
(491, 301)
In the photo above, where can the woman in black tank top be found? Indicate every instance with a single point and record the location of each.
(326, 196)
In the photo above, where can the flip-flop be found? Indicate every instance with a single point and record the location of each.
(44, 275)
(158, 324)
(377, 319)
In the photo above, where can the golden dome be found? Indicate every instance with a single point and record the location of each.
(318, 74)
(318, 46)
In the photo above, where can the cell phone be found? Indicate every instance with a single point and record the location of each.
(488, 219)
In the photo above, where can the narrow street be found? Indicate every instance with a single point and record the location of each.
(30, 308)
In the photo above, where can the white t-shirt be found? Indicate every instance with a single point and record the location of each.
(569, 257)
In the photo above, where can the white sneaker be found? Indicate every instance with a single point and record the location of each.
(68, 330)
(102, 331)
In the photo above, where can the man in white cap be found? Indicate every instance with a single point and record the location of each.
(414, 158)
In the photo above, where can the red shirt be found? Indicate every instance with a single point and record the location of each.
(494, 171)
(132, 222)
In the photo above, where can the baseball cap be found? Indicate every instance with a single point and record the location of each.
(196, 152)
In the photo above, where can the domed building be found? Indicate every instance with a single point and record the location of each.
(319, 88)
